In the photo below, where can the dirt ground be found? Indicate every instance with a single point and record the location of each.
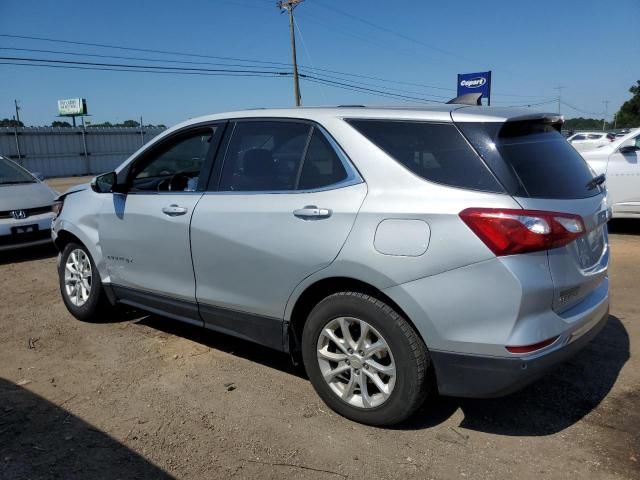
(145, 397)
(62, 184)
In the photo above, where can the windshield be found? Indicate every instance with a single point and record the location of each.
(545, 164)
(11, 174)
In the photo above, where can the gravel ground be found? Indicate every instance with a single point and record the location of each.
(145, 397)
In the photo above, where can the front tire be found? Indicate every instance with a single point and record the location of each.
(364, 360)
(80, 284)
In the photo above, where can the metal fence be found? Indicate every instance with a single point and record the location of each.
(63, 152)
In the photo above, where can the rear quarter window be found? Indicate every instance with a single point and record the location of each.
(433, 151)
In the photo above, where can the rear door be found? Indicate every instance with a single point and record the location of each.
(551, 176)
(282, 205)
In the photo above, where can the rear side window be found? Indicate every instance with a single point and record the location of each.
(321, 167)
(277, 156)
(264, 156)
(434, 151)
(544, 163)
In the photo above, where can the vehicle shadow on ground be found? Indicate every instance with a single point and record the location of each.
(225, 343)
(41, 440)
(553, 403)
(550, 405)
(27, 254)
(624, 226)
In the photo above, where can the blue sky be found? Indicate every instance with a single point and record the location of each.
(592, 48)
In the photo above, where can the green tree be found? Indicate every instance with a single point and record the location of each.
(581, 123)
(7, 122)
(129, 123)
(629, 113)
(58, 123)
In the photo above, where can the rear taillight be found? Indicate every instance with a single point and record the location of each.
(511, 231)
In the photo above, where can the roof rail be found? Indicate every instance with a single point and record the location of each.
(351, 106)
(467, 99)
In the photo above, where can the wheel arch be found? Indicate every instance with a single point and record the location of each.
(325, 287)
(65, 237)
(68, 232)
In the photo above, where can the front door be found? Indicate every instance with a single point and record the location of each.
(282, 207)
(623, 178)
(144, 232)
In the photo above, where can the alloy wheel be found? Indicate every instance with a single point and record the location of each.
(77, 277)
(356, 362)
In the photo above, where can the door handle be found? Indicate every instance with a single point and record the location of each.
(311, 212)
(174, 210)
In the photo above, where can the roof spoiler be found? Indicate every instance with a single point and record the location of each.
(467, 99)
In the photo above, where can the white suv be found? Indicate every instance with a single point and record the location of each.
(590, 140)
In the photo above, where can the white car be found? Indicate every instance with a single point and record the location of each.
(620, 162)
(590, 140)
(25, 207)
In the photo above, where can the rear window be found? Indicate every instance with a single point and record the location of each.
(545, 164)
(434, 151)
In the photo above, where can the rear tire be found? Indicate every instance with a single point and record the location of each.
(80, 284)
(383, 377)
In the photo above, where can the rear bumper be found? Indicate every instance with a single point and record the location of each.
(477, 376)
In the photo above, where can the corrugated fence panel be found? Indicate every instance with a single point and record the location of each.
(61, 152)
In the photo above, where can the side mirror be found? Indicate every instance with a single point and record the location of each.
(628, 149)
(105, 183)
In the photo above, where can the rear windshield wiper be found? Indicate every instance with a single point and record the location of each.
(595, 181)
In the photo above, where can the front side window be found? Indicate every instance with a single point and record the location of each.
(578, 138)
(11, 174)
(434, 151)
(176, 167)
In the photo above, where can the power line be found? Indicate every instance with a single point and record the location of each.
(572, 107)
(371, 90)
(151, 67)
(262, 64)
(142, 70)
(124, 57)
(147, 50)
(356, 89)
(95, 66)
(392, 32)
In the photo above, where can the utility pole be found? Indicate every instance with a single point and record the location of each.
(15, 103)
(606, 107)
(559, 88)
(289, 6)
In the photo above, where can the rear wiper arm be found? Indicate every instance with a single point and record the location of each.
(595, 181)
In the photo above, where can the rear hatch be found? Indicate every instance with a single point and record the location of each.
(543, 172)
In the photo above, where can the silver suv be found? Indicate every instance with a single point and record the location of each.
(399, 252)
